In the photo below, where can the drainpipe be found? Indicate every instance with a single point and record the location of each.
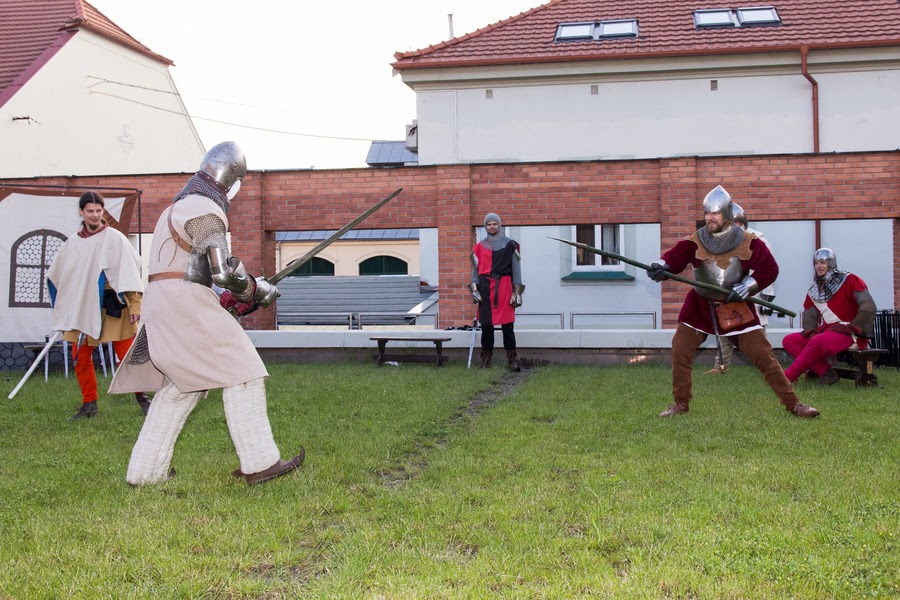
(804, 53)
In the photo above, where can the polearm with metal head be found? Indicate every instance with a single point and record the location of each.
(299, 262)
(700, 284)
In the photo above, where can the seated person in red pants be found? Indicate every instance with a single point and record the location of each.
(95, 286)
(838, 311)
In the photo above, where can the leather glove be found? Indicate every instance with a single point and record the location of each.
(765, 310)
(739, 293)
(516, 300)
(237, 308)
(657, 272)
(476, 295)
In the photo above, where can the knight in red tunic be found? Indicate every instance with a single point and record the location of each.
(724, 255)
(497, 289)
(838, 312)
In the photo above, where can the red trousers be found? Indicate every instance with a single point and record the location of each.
(82, 356)
(812, 353)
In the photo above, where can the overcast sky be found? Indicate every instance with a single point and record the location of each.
(296, 67)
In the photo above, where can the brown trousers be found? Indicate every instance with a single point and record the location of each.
(754, 345)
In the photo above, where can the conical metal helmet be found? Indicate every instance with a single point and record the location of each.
(225, 163)
(738, 215)
(719, 200)
(827, 256)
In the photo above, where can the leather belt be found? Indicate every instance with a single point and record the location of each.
(165, 275)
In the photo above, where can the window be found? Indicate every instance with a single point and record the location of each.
(741, 17)
(383, 265)
(32, 254)
(570, 32)
(621, 28)
(713, 18)
(604, 237)
(316, 266)
(764, 15)
(575, 31)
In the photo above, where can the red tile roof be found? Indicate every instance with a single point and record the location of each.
(32, 31)
(666, 28)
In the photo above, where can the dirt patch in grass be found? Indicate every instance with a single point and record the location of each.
(414, 462)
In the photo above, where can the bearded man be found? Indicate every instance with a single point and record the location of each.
(497, 289)
(724, 255)
(95, 289)
(189, 342)
(838, 312)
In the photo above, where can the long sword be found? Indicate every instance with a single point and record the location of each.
(693, 282)
(299, 262)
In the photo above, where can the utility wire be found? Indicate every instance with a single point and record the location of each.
(266, 129)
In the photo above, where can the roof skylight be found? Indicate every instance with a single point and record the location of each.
(713, 18)
(566, 32)
(741, 17)
(763, 15)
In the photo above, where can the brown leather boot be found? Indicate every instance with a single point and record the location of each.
(282, 467)
(803, 411)
(675, 409)
(513, 359)
(486, 356)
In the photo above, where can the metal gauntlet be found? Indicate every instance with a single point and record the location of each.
(266, 293)
(476, 295)
(516, 299)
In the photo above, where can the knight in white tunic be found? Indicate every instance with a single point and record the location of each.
(189, 343)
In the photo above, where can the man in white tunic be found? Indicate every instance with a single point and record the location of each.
(189, 343)
(95, 288)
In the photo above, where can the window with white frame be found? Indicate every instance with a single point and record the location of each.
(605, 237)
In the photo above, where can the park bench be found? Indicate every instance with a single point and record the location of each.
(437, 341)
(862, 371)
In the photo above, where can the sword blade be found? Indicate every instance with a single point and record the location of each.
(693, 282)
(299, 262)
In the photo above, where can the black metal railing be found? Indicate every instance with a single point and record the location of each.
(887, 337)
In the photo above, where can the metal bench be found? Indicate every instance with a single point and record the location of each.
(437, 341)
(864, 371)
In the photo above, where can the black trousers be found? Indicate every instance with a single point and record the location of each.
(487, 336)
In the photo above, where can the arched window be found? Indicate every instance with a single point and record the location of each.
(383, 265)
(316, 266)
(32, 254)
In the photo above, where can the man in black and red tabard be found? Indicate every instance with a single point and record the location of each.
(497, 289)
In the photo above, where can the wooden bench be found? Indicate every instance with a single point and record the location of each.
(437, 341)
(864, 372)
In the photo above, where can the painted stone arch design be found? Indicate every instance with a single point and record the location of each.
(316, 266)
(31, 256)
(384, 265)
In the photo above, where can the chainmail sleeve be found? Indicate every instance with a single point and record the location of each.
(206, 231)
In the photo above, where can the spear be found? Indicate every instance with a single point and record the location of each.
(693, 282)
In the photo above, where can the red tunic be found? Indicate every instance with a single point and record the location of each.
(495, 278)
(842, 306)
(754, 256)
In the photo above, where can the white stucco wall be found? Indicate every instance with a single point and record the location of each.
(550, 301)
(677, 108)
(80, 125)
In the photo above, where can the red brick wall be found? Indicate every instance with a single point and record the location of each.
(455, 198)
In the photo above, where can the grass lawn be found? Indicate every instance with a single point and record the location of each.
(560, 483)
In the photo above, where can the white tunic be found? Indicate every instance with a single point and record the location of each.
(193, 341)
(79, 273)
